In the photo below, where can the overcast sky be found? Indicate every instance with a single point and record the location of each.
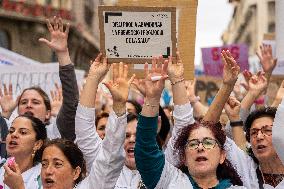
(213, 17)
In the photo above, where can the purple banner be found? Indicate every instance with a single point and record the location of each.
(212, 59)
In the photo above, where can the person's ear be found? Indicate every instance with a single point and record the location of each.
(76, 173)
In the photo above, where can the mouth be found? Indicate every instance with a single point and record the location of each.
(130, 151)
(29, 113)
(49, 182)
(261, 147)
(12, 144)
(201, 159)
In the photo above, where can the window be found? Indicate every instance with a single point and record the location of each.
(4, 39)
(89, 12)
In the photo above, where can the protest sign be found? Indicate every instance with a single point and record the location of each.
(212, 59)
(11, 58)
(135, 34)
(186, 27)
(43, 75)
(206, 88)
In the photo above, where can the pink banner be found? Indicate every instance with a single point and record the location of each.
(212, 59)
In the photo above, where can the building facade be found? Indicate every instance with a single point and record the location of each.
(251, 20)
(22, 23)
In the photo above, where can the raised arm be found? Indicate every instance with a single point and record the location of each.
(66, 117)
(278, 131)
(267, 61)
(149, 159)
(232, 108)
(230, 76)
(87, 138)
(109, 163)
(279, 95)
(183, 112)
(199, 110)
(7, 102)
(257, 85)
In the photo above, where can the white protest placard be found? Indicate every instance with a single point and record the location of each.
(11, 58)
(135, 34)
(42, 75)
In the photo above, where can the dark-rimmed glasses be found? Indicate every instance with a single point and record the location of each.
(207, 143)
(265, 130)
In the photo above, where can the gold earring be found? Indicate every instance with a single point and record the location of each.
(33, 154)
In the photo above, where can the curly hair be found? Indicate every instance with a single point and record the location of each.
(225, 170)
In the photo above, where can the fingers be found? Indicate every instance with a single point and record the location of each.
(10, 89)
(99, 57)
(120, 70)
(60, 24)
(131, 79)
(49, 26)
(178, 57)
(115, 71)
(125, 71)
(5, 90)
(55, 23)
(154, 64)
(146, 70)
(67, 28)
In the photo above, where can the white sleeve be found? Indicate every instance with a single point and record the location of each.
(242, 163)
(109, 163)
(278, 131)
(183, 116)
(87, 137)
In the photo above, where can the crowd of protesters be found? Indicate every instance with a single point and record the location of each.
(76, 140)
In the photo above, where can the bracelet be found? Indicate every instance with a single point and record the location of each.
(236, 123)
(178, 81)
(151, 105)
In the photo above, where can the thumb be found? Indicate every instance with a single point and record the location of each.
(43, 40)
(108, 85)
(16, 168)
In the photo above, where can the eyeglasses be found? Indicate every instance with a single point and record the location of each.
(265, 130)
(207, 143)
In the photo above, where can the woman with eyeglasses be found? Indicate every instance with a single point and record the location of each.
(200, 144)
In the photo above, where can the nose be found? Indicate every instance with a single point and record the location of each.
(259, 136)
(29, 104)
(200, 147)
(132, 138)
(49, 170)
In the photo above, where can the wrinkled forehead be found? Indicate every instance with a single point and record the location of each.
(200, 133)
(260, 122)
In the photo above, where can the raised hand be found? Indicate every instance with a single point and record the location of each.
(279, 96)
(175, 71)
(267, 61)
(231, 68)
(154, 88)
(232, 109)
(119, 85)
(7, 102)
(99, 68)
(59, 36)
(139, 84)
(258, 83)
(56, 100)
(190, 89)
